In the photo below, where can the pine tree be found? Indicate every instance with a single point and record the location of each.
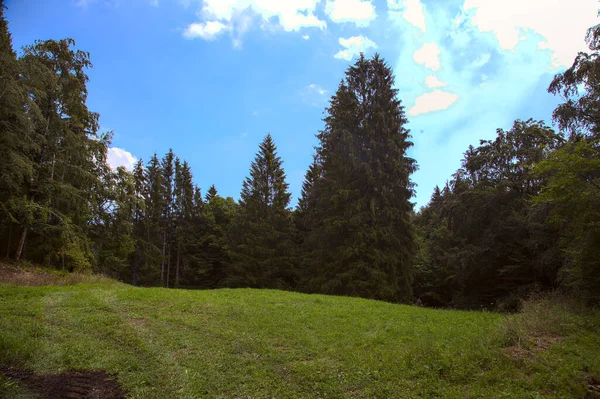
(184, 208)
(361, 237)
(262, 249)
(16, 141)
(168, 174)
(153, 199)
(211, 193)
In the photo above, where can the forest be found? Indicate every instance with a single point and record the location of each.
(520, 216)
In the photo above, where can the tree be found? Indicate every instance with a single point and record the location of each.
(17, 116)
(572, 172)
(212, 193)
(484, 243)
(168, 174)
(580, 113)
(262, 249)
(69, 158)
(361, 238)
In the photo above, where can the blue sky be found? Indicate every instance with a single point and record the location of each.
(210, 78)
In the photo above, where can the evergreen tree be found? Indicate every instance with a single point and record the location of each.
(17, 113)
(361, 240)
(152, 230)
(262, 249)
(168, 175)
(211, 193)
(69, 158)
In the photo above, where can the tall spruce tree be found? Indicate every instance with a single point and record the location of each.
(361, 238)
(16, 140)
(262, 249)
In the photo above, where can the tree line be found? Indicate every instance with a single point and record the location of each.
(520, 215)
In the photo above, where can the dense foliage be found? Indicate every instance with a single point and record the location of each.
(522, 214)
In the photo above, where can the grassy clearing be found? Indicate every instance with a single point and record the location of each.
(270, 344)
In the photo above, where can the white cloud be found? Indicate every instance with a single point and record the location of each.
(305, 37)
(428, 56)
(317, 89)
(433, 82)
(354, 45)
(361, 12)
(561, 24)
(436, 100)
(412, 12)
(205, 30)
(291, 15)
(119, 157)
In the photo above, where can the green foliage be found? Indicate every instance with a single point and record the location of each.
(356, 198)
(262, 248)
(580, 87)
(483, 241)
(573, 172)
(573, 192)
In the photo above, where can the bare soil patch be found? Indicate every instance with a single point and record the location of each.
(35, 276)
(68, 385)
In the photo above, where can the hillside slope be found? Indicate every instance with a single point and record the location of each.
(166, 343)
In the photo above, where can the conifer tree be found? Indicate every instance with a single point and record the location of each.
(69, 158)
(16, 141)
(361, 238)
(211, 193)
(262, 249)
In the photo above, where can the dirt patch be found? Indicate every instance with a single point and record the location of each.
(35, 276)
(68, 385)
(593, 389)
(538, 343)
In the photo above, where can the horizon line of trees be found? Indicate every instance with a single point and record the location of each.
(521, 214)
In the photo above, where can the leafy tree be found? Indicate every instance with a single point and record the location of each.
(483, 241)
(361, 237)
(573, 172)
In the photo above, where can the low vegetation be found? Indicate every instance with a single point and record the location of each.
(247, 343)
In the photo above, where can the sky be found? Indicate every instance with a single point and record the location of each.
(210, 78)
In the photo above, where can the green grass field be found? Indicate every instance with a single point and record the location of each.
(166, 343)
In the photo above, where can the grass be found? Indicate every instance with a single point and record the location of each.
(243, 343)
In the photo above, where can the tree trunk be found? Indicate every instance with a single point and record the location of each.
(21, 246)
(177, 268)
(162, 262)
(168, 267)
(9, 239)
(134, 267)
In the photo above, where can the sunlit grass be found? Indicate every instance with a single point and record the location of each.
(243, 343)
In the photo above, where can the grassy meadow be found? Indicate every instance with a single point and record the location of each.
(245, 343)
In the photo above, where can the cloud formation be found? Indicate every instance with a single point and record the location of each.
(218, 16)
(360, 12)
(561, 26)
(428, 56)
(410, 10)
(436, 100)
(353, 46)
(317, 89)
(205, 30)
(119, 157)
(433, 82)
